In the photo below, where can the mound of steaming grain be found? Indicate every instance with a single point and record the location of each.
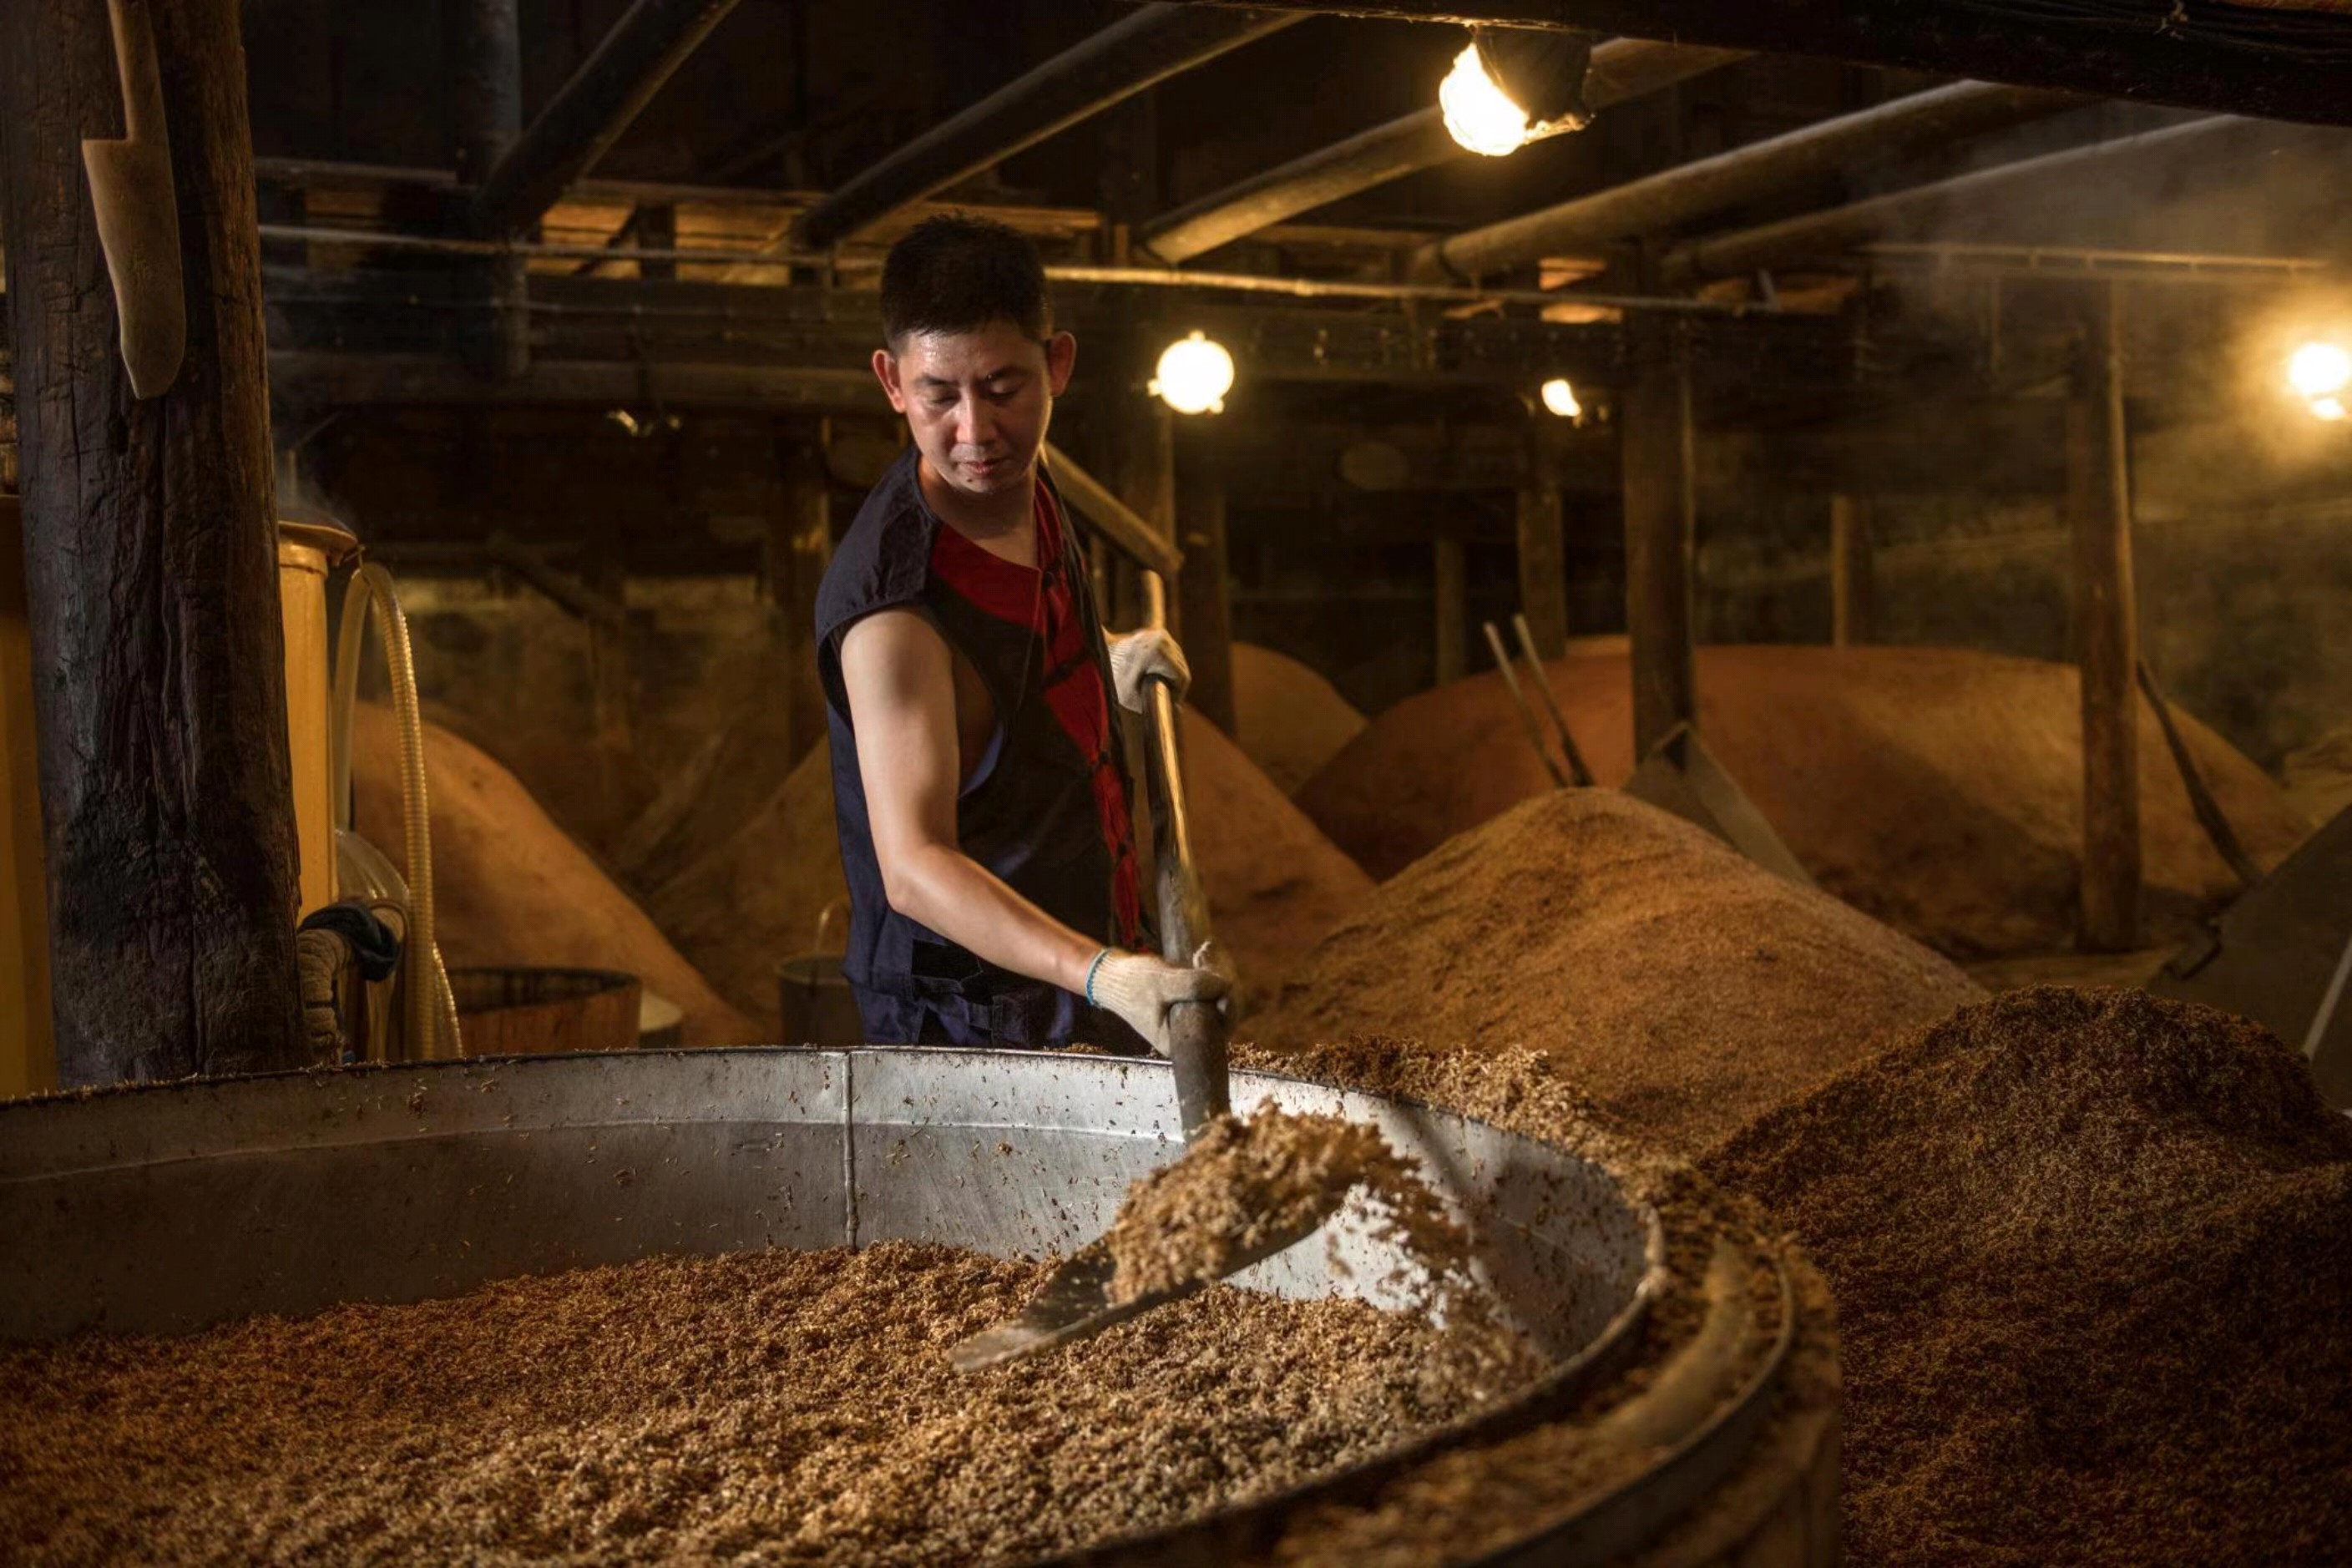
(2319, 776)
(753, 897)
(1682, 987)
(509, 887)
(1937, 789)
(1287, 719)
(2092, 1261)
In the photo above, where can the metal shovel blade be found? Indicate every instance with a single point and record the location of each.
(138, 213)
(1075, 1301)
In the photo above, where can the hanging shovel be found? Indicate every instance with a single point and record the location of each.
(1075, 1301)
(138, 212)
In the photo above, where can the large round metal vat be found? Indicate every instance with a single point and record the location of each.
(167, 1207)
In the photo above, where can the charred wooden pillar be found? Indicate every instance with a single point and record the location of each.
(1661, 512)
(800, 547)
(1204, 596)
(1450, 582)
(1854, 597)
(486, 43)
(151, 567)
(656, 225)
(1543, 549)
(2106, 632)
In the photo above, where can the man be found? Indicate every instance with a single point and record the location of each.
(977, 776)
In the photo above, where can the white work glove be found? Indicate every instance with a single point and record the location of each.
(1137, 656)
(1140, 989)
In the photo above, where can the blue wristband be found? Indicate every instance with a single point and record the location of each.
(1090, 976)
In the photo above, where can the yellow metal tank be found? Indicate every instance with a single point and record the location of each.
(308, 551)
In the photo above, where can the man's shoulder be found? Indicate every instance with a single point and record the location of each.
(885, 557)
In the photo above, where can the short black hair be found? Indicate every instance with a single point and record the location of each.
(956, 274)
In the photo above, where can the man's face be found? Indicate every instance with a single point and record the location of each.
(978, 401)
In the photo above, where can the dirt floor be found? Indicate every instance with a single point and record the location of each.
(1682, 987)
(1287, 719)
(2092, 1261)
(779, 1407)
(1937, 789)
(511, 887)
(751, 897)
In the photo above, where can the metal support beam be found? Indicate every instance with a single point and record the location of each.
(2106, 633)
(1661, 508)
(800, 547)
(1150, 45)
(2198, 54)
(1450, 592)
(486, 106)
(1674, 196)
(1825, 232)
(1543, 551)
(1205, 614)
(1853, 596)
(1622, 68)
(588, 113)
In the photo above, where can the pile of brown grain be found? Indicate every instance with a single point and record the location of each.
(513, 889)
(1240, 1184)
(781, 1407)
(2093, 1259)
(750, 893)
(1937, 789)
(1287, 719)
(1682, 987)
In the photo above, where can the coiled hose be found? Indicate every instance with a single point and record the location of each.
(431, 1025)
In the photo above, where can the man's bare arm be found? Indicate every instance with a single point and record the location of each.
(900, 677)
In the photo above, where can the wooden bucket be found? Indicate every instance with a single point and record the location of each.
(536, 1012)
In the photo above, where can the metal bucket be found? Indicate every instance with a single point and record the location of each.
(816, 1004)
(541, 1012)
(167, 1207)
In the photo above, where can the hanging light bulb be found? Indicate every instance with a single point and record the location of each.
(2319, 369)
(1196, 373)
(1479, 113)
(1561, 399)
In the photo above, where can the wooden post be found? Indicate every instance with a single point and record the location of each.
(1543, 551)
(1854, 597)
(1661, 510)
(152, 579)
(486, 46)
(656, 228)
(2106, 633)
(611, 680)
(1205, 605)
(800, 547)
(1449, 580)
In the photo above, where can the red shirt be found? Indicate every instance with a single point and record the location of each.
(1047, 602)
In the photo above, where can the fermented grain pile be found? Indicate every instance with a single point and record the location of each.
(1287, 719)
(1937, 789)
(2092, 1261)
(1681, 986)
(788, 1407)
(752, 895)
(2318, 777)
(510, 887)
(1240, 1185)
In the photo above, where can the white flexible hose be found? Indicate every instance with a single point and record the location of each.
(431, 1007)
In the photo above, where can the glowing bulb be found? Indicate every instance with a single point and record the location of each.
(1561, 399)
(1196, 373)
(2320, 370)
(1479, 113)
(2327, 408)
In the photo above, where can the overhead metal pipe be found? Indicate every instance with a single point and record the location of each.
(1155, 42)
(1676, 195)
(1859, 223)
(588, 113)
(1622, 68)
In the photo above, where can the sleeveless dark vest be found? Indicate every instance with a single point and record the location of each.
(1029, 812)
